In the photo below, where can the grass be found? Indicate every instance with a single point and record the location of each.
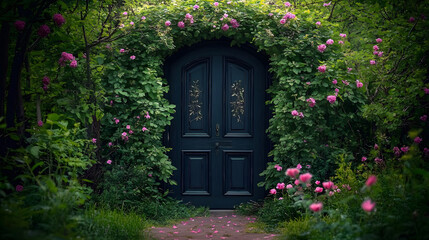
(112, 224)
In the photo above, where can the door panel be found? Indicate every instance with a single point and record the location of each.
(195, 172)
(238, 98)
(196, 101)
(217, 135)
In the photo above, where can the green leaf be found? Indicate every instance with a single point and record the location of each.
(34, 150)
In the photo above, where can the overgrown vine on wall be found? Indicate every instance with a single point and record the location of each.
(313, 83)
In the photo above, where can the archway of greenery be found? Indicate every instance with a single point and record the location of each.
(314, 96)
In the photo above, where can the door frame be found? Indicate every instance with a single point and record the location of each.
(223, 42)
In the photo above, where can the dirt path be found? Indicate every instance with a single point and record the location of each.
(219, 225)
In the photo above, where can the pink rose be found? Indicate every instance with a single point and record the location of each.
(73, 64)
(167, 23)
(116, 120)
(298, 166)
(317, 182)
(287, 4)
(349, 69)
(424, 118)
(318, 23)
(196, 7)
(292, 172)
(379, 40)
(282, 21)
(225, 27)
(404, 149)
(334, 81)
(343, 35)
(19, 25)
(375, 47)
(94, 140)
(321, 48)
(131, 23)
(311, 101)
(316, 207)
(280, 186)
(308, 83)
(144, 129)
(133, 57)
(296, 182)
(110, 144)
(331, 99)
(143, 18)
(367, 205)
(418, 140)
(128, 127)
(330, 42)
(337, 90)
(328, 185)
(359, 84)
(19, 188)
(322, 68)
(234, 23)
(289, 186)
(372, 62)
(318, 190)
(273, 191)
(376, 146)
(426, 90)
(294, 113)
(216, 4)
(125, 13)
(378, 160)
(278, 167)
(188, 16)
(364, 159)
(58, 19)
(43, 31)
(181, 24)
(301, 115)
(109, 161)
(40, 123)
(147, 116)
(371, 180)
(380, 54)
(340, 42)
(306, 177)
(122, 50)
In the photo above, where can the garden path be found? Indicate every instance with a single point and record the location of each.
(219, 225)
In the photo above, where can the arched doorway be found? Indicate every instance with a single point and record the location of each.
(217, 136)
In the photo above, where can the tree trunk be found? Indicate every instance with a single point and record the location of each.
(4, 54)
(15, 106)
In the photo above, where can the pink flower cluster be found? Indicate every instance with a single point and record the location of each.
(286, 17)
(278, 167)
(43, 31)
(331, 99)
(311, 101)
(45, 82)
(296, 113)
(65, 57)
(19, 25)
(359, 84)
(322, 68)
(58, 19)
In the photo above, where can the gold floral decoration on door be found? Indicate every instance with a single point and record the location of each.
(237, 100)
(195, 105)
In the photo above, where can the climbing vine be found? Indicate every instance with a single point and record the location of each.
(292, 37)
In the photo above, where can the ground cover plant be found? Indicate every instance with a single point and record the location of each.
(83, 112)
